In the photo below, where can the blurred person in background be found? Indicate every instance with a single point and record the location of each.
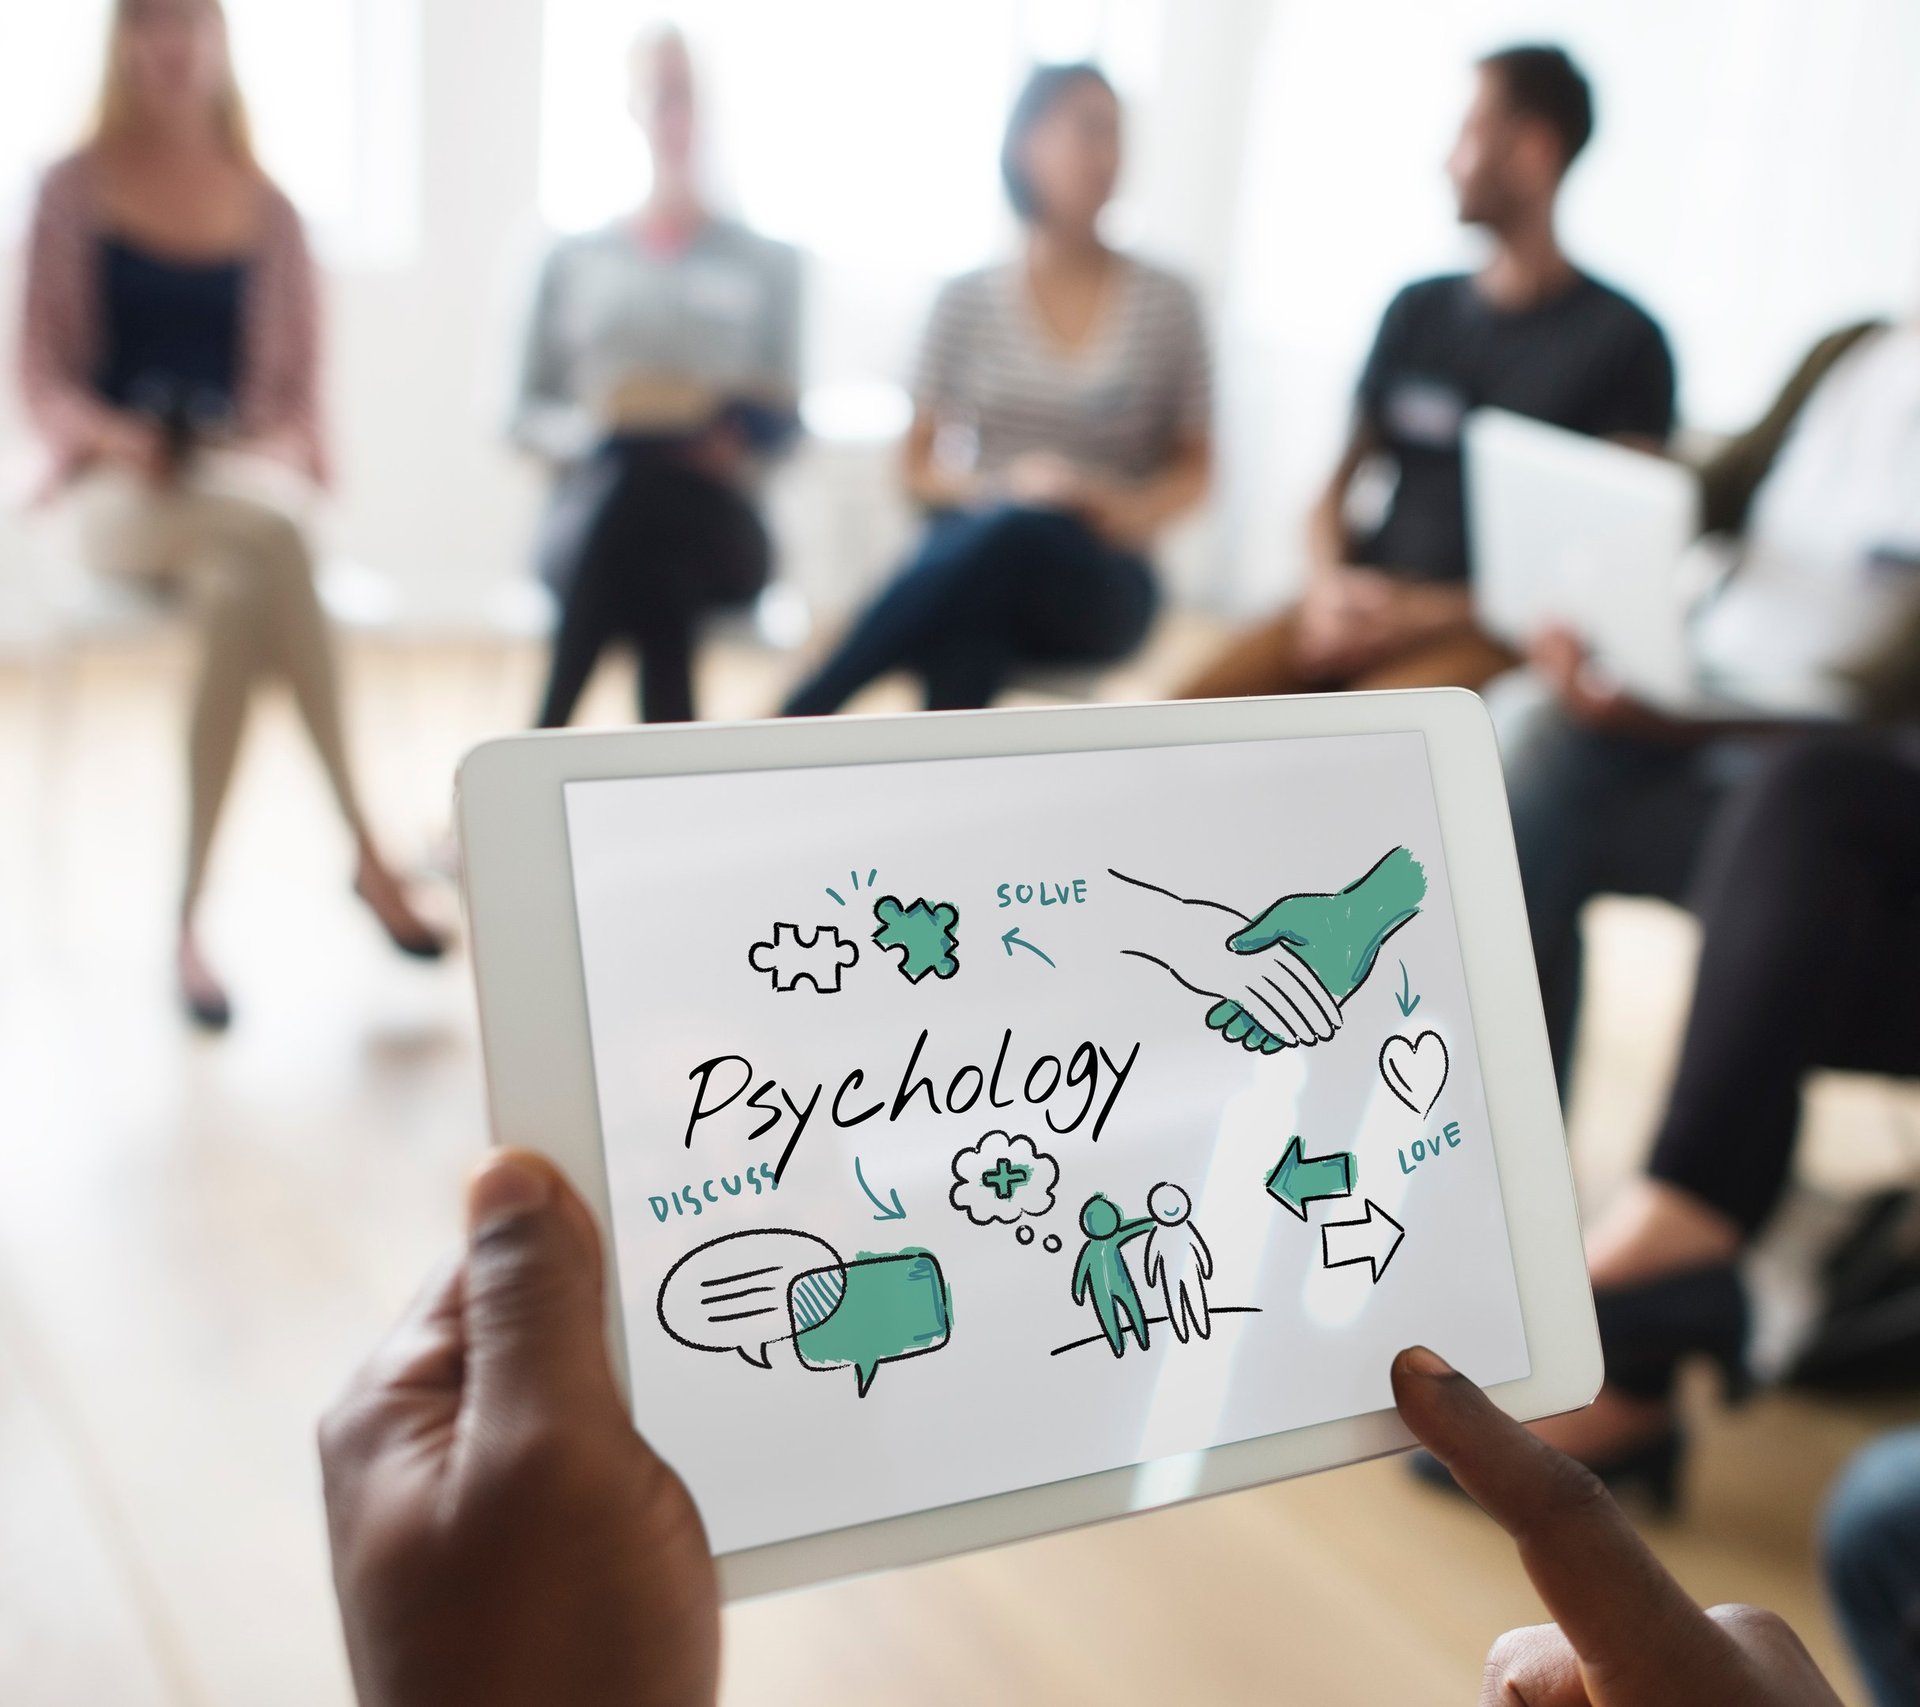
(1062, 413)
(1816, 509)
(169, 359)
(1386, 604)
(661, 368)
(1871, 1543)
(1800, 855)
(1808, 897)
(1797, 849)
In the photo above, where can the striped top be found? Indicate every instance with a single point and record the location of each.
(999, 386)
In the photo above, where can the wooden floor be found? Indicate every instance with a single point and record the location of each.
(198, 1238)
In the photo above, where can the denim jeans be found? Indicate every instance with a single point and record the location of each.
(1871, 1538)
(988, 591)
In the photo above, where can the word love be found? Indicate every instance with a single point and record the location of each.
(1047, 894)
(1071, 1088)
(1425, 1149)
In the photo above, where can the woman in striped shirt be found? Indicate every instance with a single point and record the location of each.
(169, 360)
(1061, 421)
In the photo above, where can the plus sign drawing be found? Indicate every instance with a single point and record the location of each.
(1004, 1178)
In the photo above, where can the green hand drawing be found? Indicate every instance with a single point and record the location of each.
(1280, 979)
(1339, 935)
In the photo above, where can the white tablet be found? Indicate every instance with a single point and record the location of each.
(1008, 1120)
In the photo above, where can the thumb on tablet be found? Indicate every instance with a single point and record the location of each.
(533, 1293)
(1636, 1633)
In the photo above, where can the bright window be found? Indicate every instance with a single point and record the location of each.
(331, 84)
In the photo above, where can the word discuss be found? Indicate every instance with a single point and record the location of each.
(1089, 1076)
(693, 1199)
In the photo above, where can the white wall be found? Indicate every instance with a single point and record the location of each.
(427, 493)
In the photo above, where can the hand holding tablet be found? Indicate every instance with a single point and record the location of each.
(937, 1218)
(502, 1537)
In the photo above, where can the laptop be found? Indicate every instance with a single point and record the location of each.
(1575, 532)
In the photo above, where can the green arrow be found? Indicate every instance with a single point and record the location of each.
(888, 1212)
(1010, 940)
(1407, 1000)
(1299, 1179)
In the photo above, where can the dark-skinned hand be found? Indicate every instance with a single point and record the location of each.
(501, 1535)
(1625, 1634)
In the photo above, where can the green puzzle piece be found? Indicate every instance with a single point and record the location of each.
(924, 935)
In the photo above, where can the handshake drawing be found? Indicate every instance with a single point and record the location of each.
(1281, 978)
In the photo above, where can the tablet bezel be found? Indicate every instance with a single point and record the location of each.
(518, 887)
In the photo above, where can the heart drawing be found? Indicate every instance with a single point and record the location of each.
(1415, 1069)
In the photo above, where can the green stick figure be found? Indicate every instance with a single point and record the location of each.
(1101, 1271)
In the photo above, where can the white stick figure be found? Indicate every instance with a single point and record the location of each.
(1178, 1262)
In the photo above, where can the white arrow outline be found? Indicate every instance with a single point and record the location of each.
(1379, 1266)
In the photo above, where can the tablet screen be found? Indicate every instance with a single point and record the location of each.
(973, 1124)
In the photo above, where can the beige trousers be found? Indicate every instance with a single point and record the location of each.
(230, 539)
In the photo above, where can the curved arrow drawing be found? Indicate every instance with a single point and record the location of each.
(1372, 1240)
(1010, 940)
(893, 1213)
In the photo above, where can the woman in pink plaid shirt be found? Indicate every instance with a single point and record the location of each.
(169, 358)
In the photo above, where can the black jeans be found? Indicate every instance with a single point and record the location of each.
(985, 592)
(1809, 897)
(657, 545)
(1596, 814)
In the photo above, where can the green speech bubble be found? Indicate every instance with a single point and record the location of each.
(873, 1310)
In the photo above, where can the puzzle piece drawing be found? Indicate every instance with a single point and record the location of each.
(817, 957)
(923, 933)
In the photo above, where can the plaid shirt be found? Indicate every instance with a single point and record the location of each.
(278, 394)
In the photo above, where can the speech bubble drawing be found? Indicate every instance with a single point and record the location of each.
(873, 1310)
(730, 1294)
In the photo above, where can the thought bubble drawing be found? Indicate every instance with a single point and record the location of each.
(873, 1310)
(1001, 1178)
(730, 1294)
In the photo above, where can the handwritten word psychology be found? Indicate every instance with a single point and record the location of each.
(1071, 1088)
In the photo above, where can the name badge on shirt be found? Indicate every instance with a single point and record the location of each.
(1425, 412)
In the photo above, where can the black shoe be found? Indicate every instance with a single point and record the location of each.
(1647, 1331)
(1651, 1471)
(209, 1010)
(418, 941)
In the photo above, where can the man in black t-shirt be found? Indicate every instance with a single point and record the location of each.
(1387, 605)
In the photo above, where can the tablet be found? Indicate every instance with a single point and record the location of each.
(1002, 1121)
